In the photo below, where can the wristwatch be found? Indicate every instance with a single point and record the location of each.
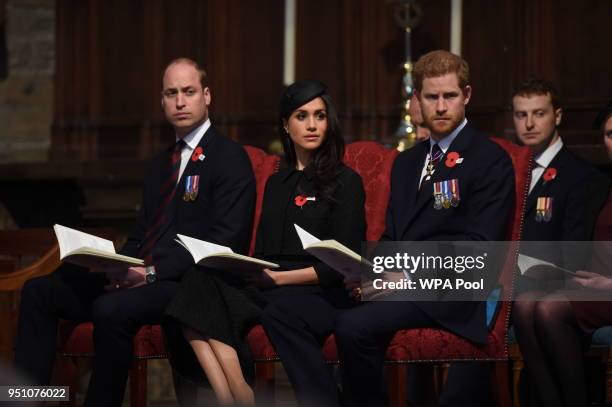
(150, 274)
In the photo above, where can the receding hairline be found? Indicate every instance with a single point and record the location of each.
(182, 60)
(190, 62)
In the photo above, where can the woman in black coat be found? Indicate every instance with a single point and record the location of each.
(214, 310)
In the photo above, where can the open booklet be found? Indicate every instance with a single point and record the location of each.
(221, 257)
(334, 254)
(529, 265)
(91, 251)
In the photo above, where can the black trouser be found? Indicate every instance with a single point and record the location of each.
(74, 294)
(298, 327)
(362, 336)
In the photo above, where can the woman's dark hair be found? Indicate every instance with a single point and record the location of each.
(326, 162)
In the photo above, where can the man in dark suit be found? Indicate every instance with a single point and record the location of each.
(203, 186)
(565, 197)
(484, 174)
(566, 193)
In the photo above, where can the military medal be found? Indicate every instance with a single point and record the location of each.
(192, 187)
(548, 209)
(446, 194)
(544, 209)
(455, 198)
(437, 188)
(430, 171)
(539, 209)
(434, 156)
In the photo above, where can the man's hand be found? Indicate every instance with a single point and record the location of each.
(370, 293)
(595, 281)
(132, 277)
(353, 287)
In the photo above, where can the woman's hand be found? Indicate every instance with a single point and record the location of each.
(595, 281)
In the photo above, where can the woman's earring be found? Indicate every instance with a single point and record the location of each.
(286, 130)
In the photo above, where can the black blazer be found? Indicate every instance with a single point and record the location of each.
(342, 219)
(579, 192)
(222, 212)
(486, 184)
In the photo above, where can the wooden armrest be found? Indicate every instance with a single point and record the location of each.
(48, 263)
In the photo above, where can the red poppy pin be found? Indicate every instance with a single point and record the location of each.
(198, 154)
(550, 174)
(453, 158)
(301, 200)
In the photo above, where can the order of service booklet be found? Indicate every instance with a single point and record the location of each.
(220, 257)
(91, 251)
(334, 254)
(527, 264)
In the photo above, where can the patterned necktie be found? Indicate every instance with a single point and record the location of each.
(166, 195)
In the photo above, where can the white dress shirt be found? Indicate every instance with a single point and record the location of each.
(191, 142)
(543, 161)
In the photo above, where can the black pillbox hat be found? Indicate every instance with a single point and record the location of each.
(298, 94)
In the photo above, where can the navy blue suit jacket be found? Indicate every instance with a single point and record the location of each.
(486, 184)
(222, 213)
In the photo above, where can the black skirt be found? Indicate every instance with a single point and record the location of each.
(217, 305)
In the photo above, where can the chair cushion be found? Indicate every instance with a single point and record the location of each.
(428, 344)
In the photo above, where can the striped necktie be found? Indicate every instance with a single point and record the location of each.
(166, 195)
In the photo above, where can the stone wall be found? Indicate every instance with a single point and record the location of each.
(26, 95)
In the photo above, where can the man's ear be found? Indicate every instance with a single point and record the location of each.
(207, 96)
(558, 116)
(467, 94)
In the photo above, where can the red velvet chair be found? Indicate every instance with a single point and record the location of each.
(427, 345)
(373, 163)
(76, 341)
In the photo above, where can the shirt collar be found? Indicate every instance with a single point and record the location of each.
(446, 141)
(308, 172)
(544, 159)
(195, 136)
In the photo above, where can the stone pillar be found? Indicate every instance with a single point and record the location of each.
(26, 94)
